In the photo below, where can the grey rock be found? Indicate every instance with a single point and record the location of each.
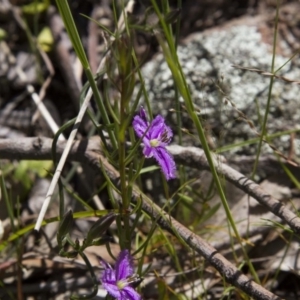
(207, 60)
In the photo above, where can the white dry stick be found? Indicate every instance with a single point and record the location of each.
(63, 160)
(50, 121)
(44, 112)
(39, 103)
(35, 97)
(53, 126)
(128, 9)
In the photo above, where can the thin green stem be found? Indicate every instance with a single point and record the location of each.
(255, 140)
(78, 215)
(264, 126)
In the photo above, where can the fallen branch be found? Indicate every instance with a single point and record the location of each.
(89, 151)
(195, 158)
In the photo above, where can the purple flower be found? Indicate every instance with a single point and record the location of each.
(156, 136)
(117, 281)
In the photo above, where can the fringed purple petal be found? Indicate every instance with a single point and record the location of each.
(140, 126)
(148, 151)
(109, 283)
(109, 276)
(115, 282)
(156, 139)
(105, 264)
(130, 294)
(124, 265)
(156, 128)
(166, 162)
(143, 114)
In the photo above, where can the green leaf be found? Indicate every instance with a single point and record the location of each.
(172, 16)
(67, 17)
(27, 169)
(64, 227)
(101, 241)
(149, 169)
(99, 228)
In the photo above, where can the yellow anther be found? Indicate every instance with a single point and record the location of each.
(154, 143)
(121, 284)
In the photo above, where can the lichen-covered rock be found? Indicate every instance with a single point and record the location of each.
(207, 60)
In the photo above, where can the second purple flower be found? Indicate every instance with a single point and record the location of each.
(117, 281)
(156, 136)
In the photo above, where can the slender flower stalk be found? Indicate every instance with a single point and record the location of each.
(156, 136)
(118, 281)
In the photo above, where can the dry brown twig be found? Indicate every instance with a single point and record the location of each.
(267, 74)
(89, 152)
